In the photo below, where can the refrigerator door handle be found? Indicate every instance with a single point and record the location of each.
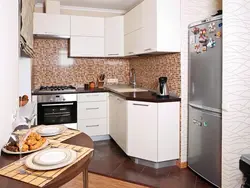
(193, 90)
(205, 108)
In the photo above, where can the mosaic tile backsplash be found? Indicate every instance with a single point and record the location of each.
(51, 66)
(150, 68)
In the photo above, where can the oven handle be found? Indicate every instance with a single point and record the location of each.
(61, 104)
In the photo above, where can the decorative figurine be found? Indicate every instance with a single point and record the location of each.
(203, 38)
(211, 28)
(197, 48)
(195, 30)
(211, 43)
(218, 35)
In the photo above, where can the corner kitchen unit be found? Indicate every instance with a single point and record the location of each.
(144, 126)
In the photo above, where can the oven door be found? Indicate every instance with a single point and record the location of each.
(57, 113)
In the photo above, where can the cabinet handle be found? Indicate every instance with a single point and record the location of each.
(60, 104)
(92, 95)
(140, 104)
(113, 54)
(92, 125)
(148, 49)
(130, 52)
(92, 108)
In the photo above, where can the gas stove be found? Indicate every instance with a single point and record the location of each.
(56, 89)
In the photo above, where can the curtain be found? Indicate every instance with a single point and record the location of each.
(26, 39)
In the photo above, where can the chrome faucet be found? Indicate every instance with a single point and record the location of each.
(132, 77)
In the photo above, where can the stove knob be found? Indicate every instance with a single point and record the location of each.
(63, 99)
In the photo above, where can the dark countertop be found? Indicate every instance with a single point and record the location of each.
(145, 96)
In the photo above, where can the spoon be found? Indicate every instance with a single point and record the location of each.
(25, 172)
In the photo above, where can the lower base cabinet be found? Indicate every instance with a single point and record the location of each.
(92, 113)
(93, 127)
(142, 130)
(118, 120)
(145, 130)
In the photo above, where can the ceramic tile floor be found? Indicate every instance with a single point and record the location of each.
(110, 160)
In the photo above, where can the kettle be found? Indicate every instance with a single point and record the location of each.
(163, 87)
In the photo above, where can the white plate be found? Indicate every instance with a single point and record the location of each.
(29, 162)
(26, 152)
(51, 130)
(52, 156)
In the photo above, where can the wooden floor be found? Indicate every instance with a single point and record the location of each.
(97, 181)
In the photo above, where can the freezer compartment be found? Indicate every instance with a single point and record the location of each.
(204, 144)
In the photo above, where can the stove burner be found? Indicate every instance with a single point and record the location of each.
(57, 88)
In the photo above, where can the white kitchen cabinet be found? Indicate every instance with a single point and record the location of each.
(114, 36)
(133, 19)
(152, 27)
(92, 97)
(121, 123)
(168, 131)
(93, 127)
(92, 110)
(87, 26)
(118, 120)
(113, 116)
(51, 25)
(86, 46)
(161, 23)
(145, 130)
(134, 43)
(92, 113)
(142, 130)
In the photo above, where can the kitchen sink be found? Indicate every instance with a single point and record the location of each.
(125, 88)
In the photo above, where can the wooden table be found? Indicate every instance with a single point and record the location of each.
(80, 167)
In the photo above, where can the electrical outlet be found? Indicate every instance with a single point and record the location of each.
(112, 81)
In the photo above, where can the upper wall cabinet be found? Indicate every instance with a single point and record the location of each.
(133, 19)
(158, 24)
(114, 36)
(133, 43)
(52, 25)
(87, 26)
(86, 46)
(161, 23)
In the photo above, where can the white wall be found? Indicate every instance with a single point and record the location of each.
(25, 77)
(236, 89)
(9, 56)
(191, 11)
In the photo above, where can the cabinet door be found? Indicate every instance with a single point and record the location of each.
(51, 24)
(112, 116)
(86, 47)
(150, 26)
(142, 130)
(133, 19)
(122, 123)
(93, 127)
(129, 44)
(134, 43)
(114, 36)
(92, 110)
(168, 131)
(87, 26)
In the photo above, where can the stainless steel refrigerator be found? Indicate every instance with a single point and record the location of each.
(205, 99)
